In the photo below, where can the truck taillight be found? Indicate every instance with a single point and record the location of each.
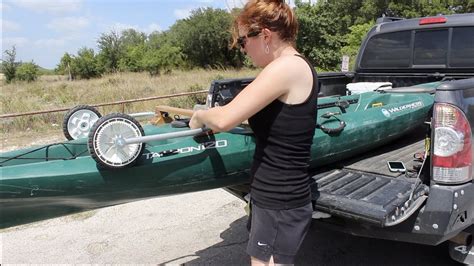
(452, 161)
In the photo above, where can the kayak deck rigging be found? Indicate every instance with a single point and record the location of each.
(47, 157)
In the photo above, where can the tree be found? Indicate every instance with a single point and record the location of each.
(319, 37)
(27, 72)
(9, 65)
(64, 66)
(110, 50)
(132, 37)
(354, 40)
(164, 59)
(132, 58)
(86, 65)
(156, 39)
(204, 38)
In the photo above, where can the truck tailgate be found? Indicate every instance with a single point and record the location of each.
(365, 190)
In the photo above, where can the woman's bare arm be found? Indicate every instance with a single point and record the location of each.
(270, 84)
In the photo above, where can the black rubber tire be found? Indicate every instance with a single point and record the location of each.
(101, 125)
(71, 112)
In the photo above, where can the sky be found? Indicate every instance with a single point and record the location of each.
(43, 30)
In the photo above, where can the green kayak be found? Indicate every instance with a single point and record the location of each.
(63, 178)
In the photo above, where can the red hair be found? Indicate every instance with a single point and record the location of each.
(274, 15)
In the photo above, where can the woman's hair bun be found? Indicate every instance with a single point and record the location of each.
(276, 1)
(275, 15)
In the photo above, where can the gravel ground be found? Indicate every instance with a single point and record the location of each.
(174, 229)
(202, 228)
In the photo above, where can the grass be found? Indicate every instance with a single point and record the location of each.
(54, 92)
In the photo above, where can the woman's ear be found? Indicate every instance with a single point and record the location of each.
(267, 34)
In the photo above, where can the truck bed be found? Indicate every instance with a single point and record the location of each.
(401, 150)
(364, 189)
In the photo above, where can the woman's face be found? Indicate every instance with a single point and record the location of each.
(252, 44)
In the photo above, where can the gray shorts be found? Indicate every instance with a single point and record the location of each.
(278, 233)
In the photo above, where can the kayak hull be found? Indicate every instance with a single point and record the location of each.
(61, 179)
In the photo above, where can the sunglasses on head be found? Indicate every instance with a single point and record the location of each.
(241, 41)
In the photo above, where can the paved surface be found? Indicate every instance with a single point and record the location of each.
(196, 228)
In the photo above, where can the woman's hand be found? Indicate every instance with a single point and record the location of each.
(195, 122)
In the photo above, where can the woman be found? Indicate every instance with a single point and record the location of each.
(280, 105)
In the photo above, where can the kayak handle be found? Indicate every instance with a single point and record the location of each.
(327, 130)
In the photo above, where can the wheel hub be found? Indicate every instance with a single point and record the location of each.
(80, 123)
(119, 141)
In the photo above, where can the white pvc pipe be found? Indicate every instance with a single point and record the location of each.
(172, 135)
(142, 115)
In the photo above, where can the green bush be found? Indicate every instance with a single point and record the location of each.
(156, 61)
(27, 72)
(132, 58)
(86, 64)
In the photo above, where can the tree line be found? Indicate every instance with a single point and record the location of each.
(327, 30)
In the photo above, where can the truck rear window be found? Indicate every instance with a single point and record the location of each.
(462, 47)
(431, 47)
(388, 50)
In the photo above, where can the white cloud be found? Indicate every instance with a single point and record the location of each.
(50, 42)
(151, 28)
(50, 6)
(7, 25)
(182, 13)
(68, 24)
(17, 41)
(4, 7)
(230, 4)
(119, 27)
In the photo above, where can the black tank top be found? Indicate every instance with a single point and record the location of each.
(283, 136)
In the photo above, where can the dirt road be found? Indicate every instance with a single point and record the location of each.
(196, 228)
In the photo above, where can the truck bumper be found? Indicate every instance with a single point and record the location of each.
(447, 211)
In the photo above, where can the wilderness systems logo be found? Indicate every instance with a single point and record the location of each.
(390, 111)
(200, 147)
(386, 112)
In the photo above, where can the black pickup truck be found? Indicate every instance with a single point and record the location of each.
(433, 200)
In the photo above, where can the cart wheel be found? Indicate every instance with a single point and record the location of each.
(106, 141)
(79, 120)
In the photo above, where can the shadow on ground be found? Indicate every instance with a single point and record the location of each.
(326, 248)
